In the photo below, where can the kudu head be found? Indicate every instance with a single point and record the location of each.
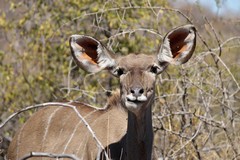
(137, 72)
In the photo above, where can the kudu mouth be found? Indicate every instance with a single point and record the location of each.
(134, 102)
(132, 98)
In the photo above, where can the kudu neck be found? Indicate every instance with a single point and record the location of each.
(139, 136)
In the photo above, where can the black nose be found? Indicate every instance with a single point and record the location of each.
(137, 91)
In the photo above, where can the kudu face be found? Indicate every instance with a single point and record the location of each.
(137, 80)
(137, 72)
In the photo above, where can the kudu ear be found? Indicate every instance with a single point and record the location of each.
(178, 45)
(90, 54)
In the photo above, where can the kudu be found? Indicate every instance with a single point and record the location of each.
(124, 127)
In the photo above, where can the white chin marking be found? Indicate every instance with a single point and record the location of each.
(131, 105)
(134, 103)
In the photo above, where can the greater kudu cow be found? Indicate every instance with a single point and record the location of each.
(124, 127)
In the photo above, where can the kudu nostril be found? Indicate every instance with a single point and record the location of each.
(141, 91)
(132, 91)
(137, 91)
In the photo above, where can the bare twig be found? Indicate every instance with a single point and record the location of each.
(49, 155)
(215, 34)
(186, 143)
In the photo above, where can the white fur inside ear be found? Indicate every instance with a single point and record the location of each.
(104, 60)
(178, 45)
(82, 61)
(165, 53)
(90, 54)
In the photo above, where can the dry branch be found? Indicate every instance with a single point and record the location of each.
(49, 155)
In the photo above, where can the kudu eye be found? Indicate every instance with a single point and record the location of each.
(119, 71)
(155, 69)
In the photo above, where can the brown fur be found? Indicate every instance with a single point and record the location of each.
(60, 123)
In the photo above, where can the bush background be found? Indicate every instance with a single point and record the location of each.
(196, 112)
